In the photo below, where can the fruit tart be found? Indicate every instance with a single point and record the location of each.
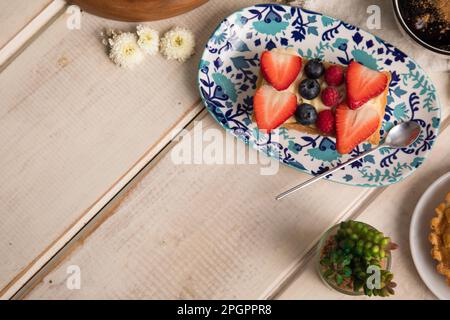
(440, 238)
(318, 97)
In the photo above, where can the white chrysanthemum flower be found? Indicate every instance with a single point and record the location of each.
(178, 44)
(124, 50)
(148, 39)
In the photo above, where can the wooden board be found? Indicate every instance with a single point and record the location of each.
(73, 138)
(390, 212)
(200, 231)
(137, 10)
(77, 125)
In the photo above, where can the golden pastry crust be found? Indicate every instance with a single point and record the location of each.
(440, 238)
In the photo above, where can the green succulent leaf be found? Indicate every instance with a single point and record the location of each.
(347, 271)
(339, 279)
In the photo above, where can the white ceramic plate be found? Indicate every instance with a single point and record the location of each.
(418, 237)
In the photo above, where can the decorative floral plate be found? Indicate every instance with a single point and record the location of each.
(229, 69)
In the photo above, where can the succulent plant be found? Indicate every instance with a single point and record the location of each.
(348, 254)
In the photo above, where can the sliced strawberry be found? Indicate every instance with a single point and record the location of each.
(363, 84)
(280, 69)
(354, 126)
(272, 108)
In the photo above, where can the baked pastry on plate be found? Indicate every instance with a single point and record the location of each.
(440, 238)
(318, 97)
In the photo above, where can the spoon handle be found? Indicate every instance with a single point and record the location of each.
(326, 173)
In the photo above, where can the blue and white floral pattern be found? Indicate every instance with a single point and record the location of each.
(229, 69)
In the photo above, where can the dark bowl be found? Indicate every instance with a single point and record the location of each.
(404, 17)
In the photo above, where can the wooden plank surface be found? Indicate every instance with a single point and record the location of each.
(199, 231)
(391, 212)
(203, 232)
(31, 30)
(72, 124)
(65, 158)
(14, 15)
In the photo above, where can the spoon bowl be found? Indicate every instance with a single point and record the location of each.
(402, 135)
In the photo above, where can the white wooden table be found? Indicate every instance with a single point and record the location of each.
(88, 181)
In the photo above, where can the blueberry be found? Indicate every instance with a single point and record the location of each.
(309, 89)
(314, 69)
(306, 114)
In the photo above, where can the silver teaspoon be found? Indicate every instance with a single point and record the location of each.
(400, 136)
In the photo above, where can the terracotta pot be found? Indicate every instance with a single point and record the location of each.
(137, 10)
